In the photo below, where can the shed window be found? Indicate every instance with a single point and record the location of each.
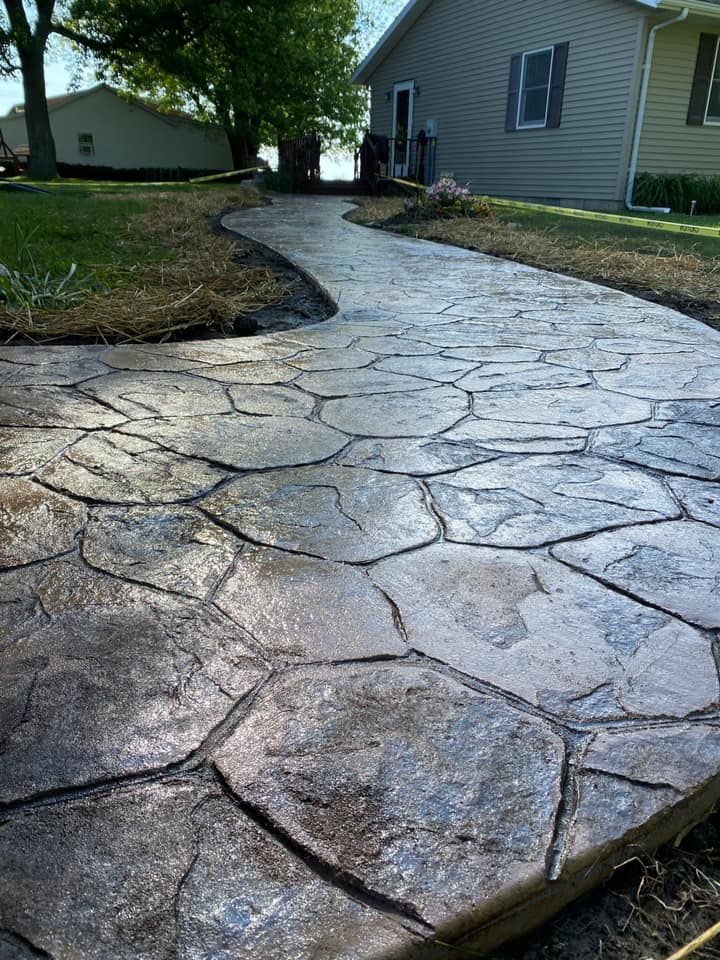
(86, 145)
(712, 111)
(535, 88)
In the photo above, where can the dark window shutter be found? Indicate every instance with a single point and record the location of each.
(702, 78)
(557, 85)
(513, 92)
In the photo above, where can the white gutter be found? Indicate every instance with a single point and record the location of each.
(705, 8)
(640, 117)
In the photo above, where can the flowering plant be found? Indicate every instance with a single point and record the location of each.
(446, 198)
(446, 192)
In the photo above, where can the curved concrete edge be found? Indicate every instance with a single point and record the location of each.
(232, 222)
(306, 274)
(591, 871)
(409, 760)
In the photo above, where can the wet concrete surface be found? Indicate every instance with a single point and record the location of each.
(350, 640)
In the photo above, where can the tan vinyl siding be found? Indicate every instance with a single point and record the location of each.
(459, 54)
(126, 136)
(668, 144)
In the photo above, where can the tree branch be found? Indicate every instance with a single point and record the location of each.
(81, 39)
(18, 19)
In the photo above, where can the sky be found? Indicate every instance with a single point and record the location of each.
(58, 78)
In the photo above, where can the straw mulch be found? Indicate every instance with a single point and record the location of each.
(197, 286)
(671, 271)
(662, 907)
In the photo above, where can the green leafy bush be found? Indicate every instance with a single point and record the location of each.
(280, 181)
(677, 191)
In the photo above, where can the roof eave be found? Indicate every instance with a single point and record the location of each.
(414, 8)
(397, 29)
(705, 8)
(700, 7)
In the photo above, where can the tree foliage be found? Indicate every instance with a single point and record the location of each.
(262, 69)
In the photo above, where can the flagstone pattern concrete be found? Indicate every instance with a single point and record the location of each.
(354, 640)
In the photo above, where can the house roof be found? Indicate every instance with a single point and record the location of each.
(414, 9)
(397, 29)
(55, 103)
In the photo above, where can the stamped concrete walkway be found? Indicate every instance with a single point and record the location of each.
(336, 643)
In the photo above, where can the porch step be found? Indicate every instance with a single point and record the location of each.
(339, 188)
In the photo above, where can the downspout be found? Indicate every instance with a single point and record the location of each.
(640, 117)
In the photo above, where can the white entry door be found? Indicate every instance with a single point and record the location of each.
(402, 127)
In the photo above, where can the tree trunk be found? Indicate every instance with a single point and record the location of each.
(43, 162)
(243, 137)
(243, 155)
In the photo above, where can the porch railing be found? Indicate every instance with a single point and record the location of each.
(10, 164)
(404, 158)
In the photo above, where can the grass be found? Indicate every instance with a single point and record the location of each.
(77, 225)
(704, 220)
(149, 245)
(679, 270)
(632, 239)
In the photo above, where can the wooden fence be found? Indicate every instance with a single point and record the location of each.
(299, 162)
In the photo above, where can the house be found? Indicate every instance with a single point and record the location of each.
(556, 101)
(97, 129)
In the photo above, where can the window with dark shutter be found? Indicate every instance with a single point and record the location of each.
(703, 79)
(536, 88)
(557, 85)
(513, 92)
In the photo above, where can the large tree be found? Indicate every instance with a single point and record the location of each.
(24, 33)
(26, 28)
(261, 70)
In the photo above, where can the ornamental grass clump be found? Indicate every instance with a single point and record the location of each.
(24, 287)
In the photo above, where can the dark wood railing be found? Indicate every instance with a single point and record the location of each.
(379, 157)
(10, 164)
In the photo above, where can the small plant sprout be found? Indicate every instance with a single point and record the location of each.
(24, 287)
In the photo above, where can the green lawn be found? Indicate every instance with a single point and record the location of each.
(619, 236)
(700, 221)
(86, 225)
(149, 244)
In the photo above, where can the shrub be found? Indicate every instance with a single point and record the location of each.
(677, 191)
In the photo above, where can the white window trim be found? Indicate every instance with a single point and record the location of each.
(86, 148)
(530, 53)
(706, 122)
(409, 86)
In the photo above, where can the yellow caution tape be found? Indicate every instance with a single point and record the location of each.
(637, 222)
(405, 183)
(224, 176)
(625, 221)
